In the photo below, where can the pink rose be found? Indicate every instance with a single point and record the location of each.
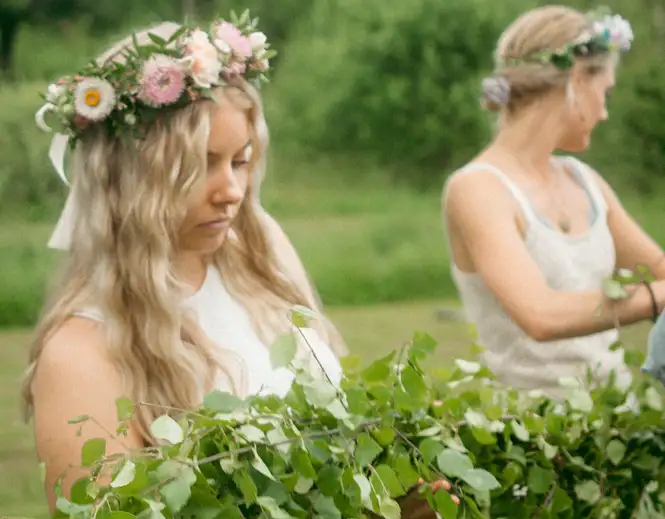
(231, 35)
(203, 58)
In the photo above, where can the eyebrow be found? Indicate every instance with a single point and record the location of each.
(215, 152)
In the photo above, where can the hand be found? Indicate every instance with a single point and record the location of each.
(416, 507)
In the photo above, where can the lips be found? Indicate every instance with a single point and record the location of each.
(220, 223)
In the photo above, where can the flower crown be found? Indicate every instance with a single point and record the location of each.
(606, 33)
(156, 77)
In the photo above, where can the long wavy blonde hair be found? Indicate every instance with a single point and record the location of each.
(130, 202)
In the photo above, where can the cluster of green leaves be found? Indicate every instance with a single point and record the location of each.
(351, 451)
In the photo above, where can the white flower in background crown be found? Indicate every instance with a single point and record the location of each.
(606, 32)
(616, 31)
(156, 77)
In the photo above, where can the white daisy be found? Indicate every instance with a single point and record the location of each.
(94, 99)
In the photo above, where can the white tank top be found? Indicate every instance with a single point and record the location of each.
(568, 262)
(227, 323)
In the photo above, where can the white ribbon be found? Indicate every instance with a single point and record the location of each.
(61, 238)
(62, 234)
(57, 154)
(39, 117)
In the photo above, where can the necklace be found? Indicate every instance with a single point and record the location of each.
(564, 220)
(564, 224)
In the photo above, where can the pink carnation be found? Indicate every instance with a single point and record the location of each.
(239, 43)
(162, 81)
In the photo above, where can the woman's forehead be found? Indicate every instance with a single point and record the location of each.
(229, 129)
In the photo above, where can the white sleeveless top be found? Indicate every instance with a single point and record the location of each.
(568, 262)
(227, 323)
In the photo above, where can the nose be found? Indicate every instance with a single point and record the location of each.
(224, 186)
(604, 114)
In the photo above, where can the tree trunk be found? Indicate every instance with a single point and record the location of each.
(9, 25)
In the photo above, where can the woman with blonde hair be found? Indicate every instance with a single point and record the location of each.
(176, 281)
(533, 236)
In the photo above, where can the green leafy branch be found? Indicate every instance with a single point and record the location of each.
(360, 448)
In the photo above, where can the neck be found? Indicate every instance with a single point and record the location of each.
(190, 267)
(531, 137)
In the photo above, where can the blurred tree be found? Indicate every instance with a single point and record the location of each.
(393, 81)
(102, 16)
(12, 14)
(106, 16)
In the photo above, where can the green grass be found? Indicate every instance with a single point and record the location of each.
(370, 331)
(363, 242)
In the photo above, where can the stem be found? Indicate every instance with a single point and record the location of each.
(636, 512)
(548, 500)
(318, 361)
(322, 434)
(171, 408)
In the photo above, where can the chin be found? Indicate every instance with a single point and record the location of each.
(209, 245)
(578, 144)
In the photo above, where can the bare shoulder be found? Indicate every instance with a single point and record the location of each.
(606, 189)
(275, 230)
(77, 347)
(284, 249)
(75, 377)
(467, 192)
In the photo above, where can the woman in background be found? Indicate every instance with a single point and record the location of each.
(532, 235)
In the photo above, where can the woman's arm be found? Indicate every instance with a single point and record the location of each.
(634, 246)
(74, 378)
(482, 212)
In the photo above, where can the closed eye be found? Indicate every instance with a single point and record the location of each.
(239, 163)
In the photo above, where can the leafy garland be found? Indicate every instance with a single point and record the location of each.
(346, 452)
(607, 32)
